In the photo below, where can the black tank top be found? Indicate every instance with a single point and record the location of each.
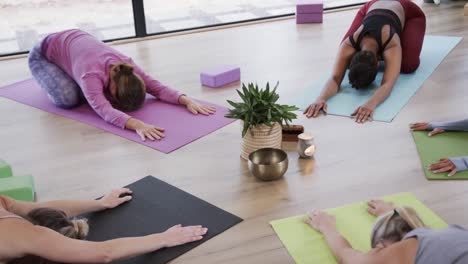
(373, 23)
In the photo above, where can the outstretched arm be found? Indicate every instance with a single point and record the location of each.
(156, 88)
(167, 94)
(440, 127)
(392, 58)
(345, 253)
(38, 241)
(332, 85)
(460, 125)
(71, 208)
(451, 165)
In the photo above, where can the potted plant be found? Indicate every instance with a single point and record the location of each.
(262, 117)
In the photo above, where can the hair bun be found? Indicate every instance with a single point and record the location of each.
(81, 228)
(126, 69)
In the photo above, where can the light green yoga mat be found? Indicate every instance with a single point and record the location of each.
(306, 245)
(445, 145)
(435, 49)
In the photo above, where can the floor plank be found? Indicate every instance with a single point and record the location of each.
(353, 162)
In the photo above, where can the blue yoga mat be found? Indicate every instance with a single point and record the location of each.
(435, 49)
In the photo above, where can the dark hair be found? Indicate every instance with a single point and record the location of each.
(58, 221)
(362, 69)
(131, 90)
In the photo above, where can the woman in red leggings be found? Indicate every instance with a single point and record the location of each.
(388, 30)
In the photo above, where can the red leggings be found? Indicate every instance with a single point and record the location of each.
(411, 38)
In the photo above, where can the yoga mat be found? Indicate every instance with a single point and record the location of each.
(306, 245)
(155, 207)
(435, 49)
(181, 126)
(445, 145)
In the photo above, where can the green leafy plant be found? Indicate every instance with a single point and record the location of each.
(259, 106)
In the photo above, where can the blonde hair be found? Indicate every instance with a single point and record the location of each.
(58, 221)
(394, 225)
(78, 230)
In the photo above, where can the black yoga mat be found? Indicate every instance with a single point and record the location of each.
(155, 207)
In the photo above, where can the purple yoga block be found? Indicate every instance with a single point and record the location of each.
(219, 76)
(309, 18)
(309, 6)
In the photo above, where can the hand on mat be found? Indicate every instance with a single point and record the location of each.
(363, 113)
(314, 109)
(116, 198)
(179, 235)
(379, 207)
(425, 126)
(321, 221)
(196, 108)
(149, 132)
(443, 165)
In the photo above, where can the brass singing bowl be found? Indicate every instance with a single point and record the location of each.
(268, 164)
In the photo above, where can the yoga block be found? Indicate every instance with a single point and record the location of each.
(18, 187)
(5, 169)
(219, 76)
(309, 18)
(309, 6)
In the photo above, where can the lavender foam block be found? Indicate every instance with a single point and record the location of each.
(309, 18)
(309, 6)
(219, 76)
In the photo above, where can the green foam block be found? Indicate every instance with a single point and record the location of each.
(18, 187)
(445, 145)
(353, 221)
(5, 169)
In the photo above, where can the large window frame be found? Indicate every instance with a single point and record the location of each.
(141, 31)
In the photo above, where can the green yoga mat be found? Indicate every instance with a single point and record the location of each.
(435, 49)
(445, 145)
(306, 245)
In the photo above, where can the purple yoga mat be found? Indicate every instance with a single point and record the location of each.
(181, 126)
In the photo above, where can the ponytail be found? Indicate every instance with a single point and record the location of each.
(130, 89)
(58, 221)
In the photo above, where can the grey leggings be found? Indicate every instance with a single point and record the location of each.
(61, 89)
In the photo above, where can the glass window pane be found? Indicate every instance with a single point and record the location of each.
(162, 15)
(24, 22)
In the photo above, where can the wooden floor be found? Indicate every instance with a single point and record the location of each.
(353, 162)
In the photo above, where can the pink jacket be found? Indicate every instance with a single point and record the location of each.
(88, 60)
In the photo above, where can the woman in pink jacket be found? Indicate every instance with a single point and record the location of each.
(73, 65)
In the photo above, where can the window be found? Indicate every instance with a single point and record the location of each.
(24, 23)
(163, 16)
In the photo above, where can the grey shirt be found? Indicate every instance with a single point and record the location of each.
(445, 246)
(462, 125)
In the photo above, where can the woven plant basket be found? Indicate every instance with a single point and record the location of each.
(261, 136)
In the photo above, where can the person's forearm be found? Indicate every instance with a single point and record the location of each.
(39, 241)
(380, 95)
(74, 207)
(340, 247)
(461, 163)
(133, 124)
(184, 100)
(330, 89)
(460, 125)
(124, 248)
